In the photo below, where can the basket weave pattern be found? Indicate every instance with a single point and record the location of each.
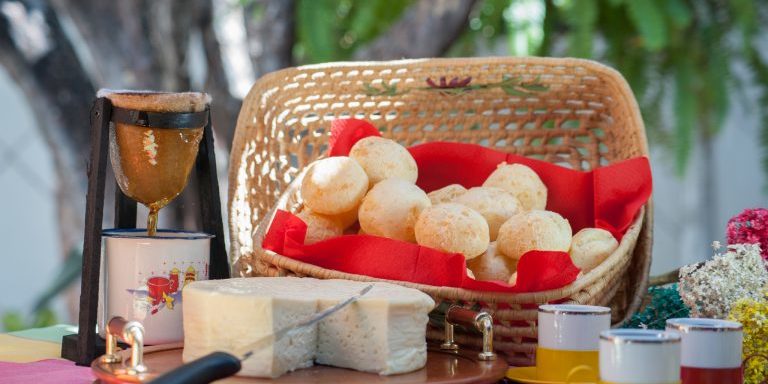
(570, 112)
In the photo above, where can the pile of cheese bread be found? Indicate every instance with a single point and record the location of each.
(373, 191)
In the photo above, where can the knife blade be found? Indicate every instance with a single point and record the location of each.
(218, 365)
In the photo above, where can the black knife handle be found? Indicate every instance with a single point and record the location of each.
(204, 370)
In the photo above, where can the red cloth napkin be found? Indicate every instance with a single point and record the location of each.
(45, 372)
(608, 198)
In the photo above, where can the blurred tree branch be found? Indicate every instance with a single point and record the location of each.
(225, 106)
(41, 60)
(38, 56)
(427, 29)
(270, 36)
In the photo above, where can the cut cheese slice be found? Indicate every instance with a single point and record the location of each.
(383, 332)
(230, 315)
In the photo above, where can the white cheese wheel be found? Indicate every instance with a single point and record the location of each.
(383, 332)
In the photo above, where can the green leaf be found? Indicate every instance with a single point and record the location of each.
(45, 318)
(535, 87)
(317, 30)
(685, 107)
(678, 12)
(13, 321)
(507, 78)
(514, 91)
(385, 90)
(367, 19)
(581, 15)
(718, 77)
(760, 72)
(648, 18)
(746, 14)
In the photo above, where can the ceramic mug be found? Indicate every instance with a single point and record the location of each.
(639, 356)
(711, 350)
(568, 341)
(142, 278)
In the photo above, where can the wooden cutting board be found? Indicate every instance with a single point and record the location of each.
(442, 368)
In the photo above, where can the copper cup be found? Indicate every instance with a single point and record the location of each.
(152, 165)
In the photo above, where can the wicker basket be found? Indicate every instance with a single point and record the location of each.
(582, 116)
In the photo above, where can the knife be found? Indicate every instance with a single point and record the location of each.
(219, 365)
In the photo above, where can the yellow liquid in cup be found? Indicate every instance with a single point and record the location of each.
(557, 365)
(611, 382)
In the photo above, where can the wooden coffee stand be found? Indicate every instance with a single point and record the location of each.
(86, 345)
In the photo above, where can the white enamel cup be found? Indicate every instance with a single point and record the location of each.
(568, 341)
(708, 343)
(142, 278)
(711, 350)
(639, 356)
(571, 327)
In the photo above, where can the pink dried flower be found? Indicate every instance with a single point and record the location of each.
(750, 227)
(453, 83)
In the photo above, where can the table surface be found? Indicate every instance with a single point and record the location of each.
(34, 356)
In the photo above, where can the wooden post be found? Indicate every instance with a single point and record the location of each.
(210, 203)
(125, 210)
(84, 350)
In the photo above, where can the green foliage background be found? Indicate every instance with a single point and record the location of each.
(682, 52)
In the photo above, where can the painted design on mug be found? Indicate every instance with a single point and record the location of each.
(190, 275)
(163, 291)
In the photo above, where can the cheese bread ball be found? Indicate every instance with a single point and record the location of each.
(522, 182)
(534, 230)
(319, 227)
(453, 228)
(334, 185)
(446, 194)
(391, 208)
(591, 246)
(345, 219)
(384, 159)
(492, 266)
(513, 279)
(495, 204)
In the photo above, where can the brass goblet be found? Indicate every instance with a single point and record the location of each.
(152, 164)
